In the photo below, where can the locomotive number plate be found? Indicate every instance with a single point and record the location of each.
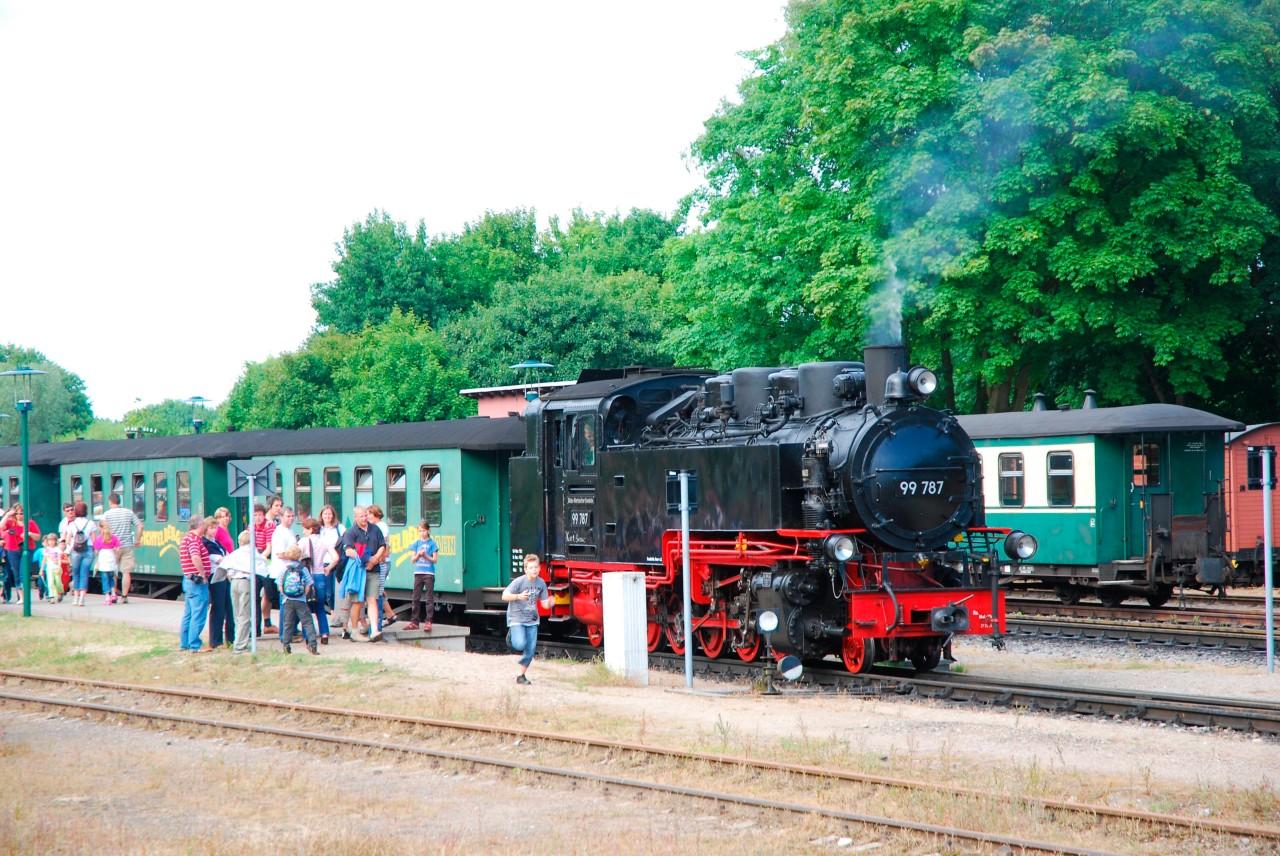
(579, 518)
(921, 488)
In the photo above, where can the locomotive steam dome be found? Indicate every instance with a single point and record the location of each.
(914, 477)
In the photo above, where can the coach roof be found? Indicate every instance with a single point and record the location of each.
(1133, 419)
(474, 434)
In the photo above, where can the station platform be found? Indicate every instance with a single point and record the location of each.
(166, 615)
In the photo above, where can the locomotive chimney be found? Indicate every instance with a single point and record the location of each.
(882, 361)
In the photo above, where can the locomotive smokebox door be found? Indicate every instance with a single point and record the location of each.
(949, 619)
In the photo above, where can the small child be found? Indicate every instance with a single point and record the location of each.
(106, 543)
(424, 579)
(51, 569)
(295, 583)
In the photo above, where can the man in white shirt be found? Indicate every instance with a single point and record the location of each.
(240, 566)
(281, 538)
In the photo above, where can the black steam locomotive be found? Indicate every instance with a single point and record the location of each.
(827, 494)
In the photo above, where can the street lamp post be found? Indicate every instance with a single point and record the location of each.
(22, 384)
(196, 401)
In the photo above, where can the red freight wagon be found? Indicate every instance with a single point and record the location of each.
(1243, 506)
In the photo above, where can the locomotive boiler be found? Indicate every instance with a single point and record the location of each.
(828, 494)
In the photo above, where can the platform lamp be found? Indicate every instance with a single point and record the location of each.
(196, 401)
(528, 366)
(22, 401)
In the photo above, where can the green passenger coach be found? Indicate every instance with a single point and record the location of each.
(451, 473)
(1123, 500)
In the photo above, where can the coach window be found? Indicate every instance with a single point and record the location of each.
(302, 492)
(333, 489)
(117, 487)
(77, 489)
(160, 495)
(1146, 464)
(15, 491)
(1012, 481)
(397, 497)
(140, 495)
(95, 494)
(431, 511)
(184, 495)
(1062, 479)
(364, 486)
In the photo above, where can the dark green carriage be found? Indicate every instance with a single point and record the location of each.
(1123, 500)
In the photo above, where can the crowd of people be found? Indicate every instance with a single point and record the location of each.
(304, 578)
(326, 570)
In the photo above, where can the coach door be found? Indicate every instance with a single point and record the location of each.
(1148, 492)
(579, 494)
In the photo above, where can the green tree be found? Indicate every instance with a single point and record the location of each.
(610, 244)
(499, 247)
(399, 372)
(1080, 197)
(569, 318)
(380, 267)
(169, 417)
(61, 407)
(292, 391)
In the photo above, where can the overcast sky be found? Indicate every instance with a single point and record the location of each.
(175, 175)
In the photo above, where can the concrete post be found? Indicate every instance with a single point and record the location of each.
(626, 651)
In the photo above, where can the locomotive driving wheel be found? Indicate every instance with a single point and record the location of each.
(673, 627)
(595, 635)
(926, 659)
(653, 631)
(858, 654)
(750, 649)
(711, 639)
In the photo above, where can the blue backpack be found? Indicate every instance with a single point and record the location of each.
(293, 584)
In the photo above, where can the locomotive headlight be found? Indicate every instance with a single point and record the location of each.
(922, 381)
(1020, 546)
(767, 622)
(839, 548)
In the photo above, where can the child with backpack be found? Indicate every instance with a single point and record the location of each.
(295, 584)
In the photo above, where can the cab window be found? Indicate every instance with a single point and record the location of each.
(584, 441)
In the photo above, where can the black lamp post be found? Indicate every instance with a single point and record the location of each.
(196, 401)
(22, 401)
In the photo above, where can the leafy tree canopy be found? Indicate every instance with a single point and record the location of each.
(1086, 195)
(569, 318)
(60, 404)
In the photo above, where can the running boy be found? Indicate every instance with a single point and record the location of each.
(523, 597)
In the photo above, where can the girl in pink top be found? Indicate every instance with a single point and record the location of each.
(106, 543)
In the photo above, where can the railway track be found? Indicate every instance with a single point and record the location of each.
(1140, 632)
(650, 768)
(1234, 714)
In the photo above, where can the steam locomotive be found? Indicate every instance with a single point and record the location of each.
(827, 495)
